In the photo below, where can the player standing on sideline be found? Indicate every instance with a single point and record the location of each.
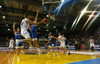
(91, 41)
(18, 36)
(51, 43)
(33, 29)
(11, 44)
(67, 45)
(57, 45)
(24, 27)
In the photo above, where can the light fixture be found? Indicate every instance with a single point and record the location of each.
(6, 24)
(62, 0)
(39, 28)
(47, 30)
(9, 29)
(0, 6)
(3, 17)
(54, 26)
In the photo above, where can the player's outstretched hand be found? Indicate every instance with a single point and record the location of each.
(14, 23)
(37, 10)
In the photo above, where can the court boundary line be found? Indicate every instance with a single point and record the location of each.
(13, 59)
(4, 58)
(83, 60)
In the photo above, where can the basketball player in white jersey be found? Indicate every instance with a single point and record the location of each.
(62, 39)
(91, 41)
(24, 27)
(11, 44)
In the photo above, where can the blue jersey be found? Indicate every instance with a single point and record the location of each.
(66, 42)
(51, 39)
(34, 31)
(58, 44)
(18, 36)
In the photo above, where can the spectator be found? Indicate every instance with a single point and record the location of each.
(83, 44)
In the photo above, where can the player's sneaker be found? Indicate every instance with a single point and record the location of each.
(7, 51)
(18, 59)
(31, 47)
(66, 53)
(40, 53)
(69, 53)
(22, 52)
(48, 52)
(53, 54)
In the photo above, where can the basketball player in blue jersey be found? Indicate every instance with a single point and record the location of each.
(67, 45)
(33, 29)
(57, 45)
(18, 36)
(51, 43)
(61, 39)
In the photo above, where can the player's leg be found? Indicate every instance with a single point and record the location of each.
(8, 50)
(22, 50)
(90, 47)
(68, 49)
(56, 48)
(48, 49)
(12, 50)
(36, 44)
(53, 49)
(26, 35)
(94, 47)
(22, 47)
(19, 45)
(18, 51)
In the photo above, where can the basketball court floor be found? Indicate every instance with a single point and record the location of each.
(76, 57)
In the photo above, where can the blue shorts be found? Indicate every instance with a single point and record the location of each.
(51, 44)
(20, 44)
(66, 42)
(58, 44)
(34, 34)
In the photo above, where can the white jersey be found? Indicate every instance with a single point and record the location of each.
(91, 41)
(61, 39)
(24, 25)
(11, 42)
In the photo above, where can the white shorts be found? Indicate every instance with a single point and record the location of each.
(62, 45)
(25, 34)
(11, 45)
(91, 45)
(18, 45)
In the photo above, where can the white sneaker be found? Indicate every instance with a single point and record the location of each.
(22, 52)
(40, 53)
(31, 47)
(53, 54)
(66, 53)
(18, 59)
(48, 53)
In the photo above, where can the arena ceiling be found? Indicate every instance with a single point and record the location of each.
(14, 11)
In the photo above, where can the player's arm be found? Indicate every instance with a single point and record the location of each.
(54, 37)
(34, 23)
(47, 42)
(36, 17)
(14, 28)
(8, 39)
